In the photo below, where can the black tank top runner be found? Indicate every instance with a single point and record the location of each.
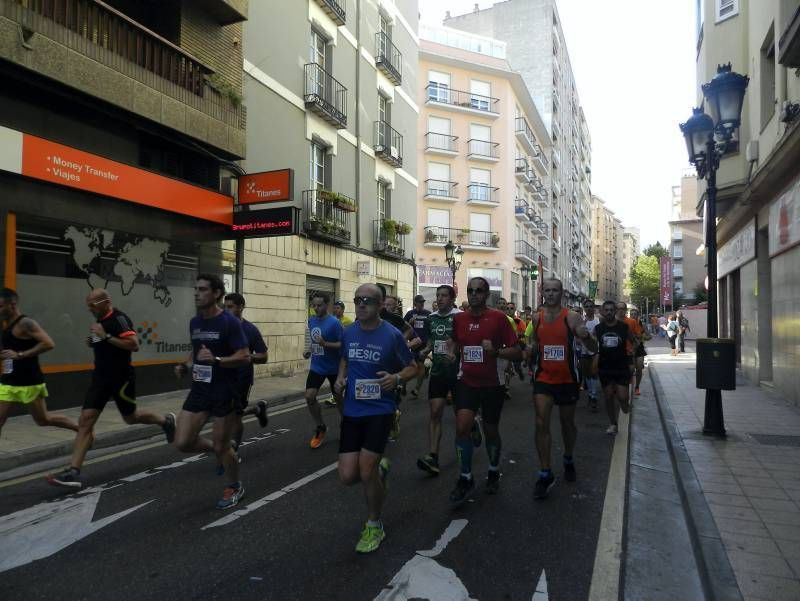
(25, 372)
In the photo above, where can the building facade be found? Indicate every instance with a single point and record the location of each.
(607, 265)
(483, 162)
(758, 199)
(537, 50)
(631, 249)
(334, 94)
(686, 237)
(119, 127)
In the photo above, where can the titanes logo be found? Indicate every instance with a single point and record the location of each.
(148, 334)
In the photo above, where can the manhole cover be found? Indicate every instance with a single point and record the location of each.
(777, 440)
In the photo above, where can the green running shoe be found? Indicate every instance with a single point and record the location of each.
(371, 538)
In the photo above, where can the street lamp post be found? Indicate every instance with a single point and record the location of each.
(454, 255)
(707, 139)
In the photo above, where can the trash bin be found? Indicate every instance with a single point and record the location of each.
(716, 363)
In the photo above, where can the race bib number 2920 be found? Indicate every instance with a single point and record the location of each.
(368, 390)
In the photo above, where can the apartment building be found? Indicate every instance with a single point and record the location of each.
(537, 50)
(686, 237)
(631, 249)
(483, 165)
(758, 199)
(333, 91)
(119, 123)
(607, 262)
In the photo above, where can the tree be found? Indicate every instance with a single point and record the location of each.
(645, 280)
(656, 250)
(700, 293)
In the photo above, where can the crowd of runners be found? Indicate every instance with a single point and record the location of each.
(468, 355)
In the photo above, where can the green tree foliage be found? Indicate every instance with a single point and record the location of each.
(645, 280)
(700, 293)
(656, 250)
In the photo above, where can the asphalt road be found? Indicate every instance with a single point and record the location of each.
(146, 528)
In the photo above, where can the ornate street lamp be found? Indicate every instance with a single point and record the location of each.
(453, 255)
(707, 139)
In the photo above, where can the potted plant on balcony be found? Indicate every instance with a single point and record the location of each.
(462, 234)
(344, 203)
(327, 195)
(495, 239)
(403, 229)
(430, 236)
(389, 227)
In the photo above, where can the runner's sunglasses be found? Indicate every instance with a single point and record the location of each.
(365, 300)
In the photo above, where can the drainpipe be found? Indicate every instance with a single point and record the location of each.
(358, 123)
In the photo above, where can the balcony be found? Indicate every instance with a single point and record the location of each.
(326, 216)
(525, 252)
(482, 194)
(522, 210)
(540, 160)
(225, 12)
(334, 10)
(438, 189)
(556, 159)
(534, 184)
(443, 144)
(388, 58)
(525, 134)
(325, 96)
(457, 100)
(789, 45)
(522, 170)
(677, 235)
(467, 238)
(483, 150)
(388, 144)
(389, 238)
(556, 188)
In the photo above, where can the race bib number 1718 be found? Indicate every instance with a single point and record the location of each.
(553, 352)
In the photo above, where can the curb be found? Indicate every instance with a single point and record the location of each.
(716, 573)
(127, 435)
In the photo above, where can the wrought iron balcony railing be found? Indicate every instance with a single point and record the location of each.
(388, 58)
(483, 148)
(435, 234)
(522, 210)
(440, 188)
(445, 142)
(388, 143)
(524, 251)
(389, 237)
(326, 215)
(334, 9)
(482, 193)
(325, 96)
(522, 169)
(459, 98)
(524, 131)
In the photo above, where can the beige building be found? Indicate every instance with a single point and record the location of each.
(631, 249)
(685, 241)
(758, 202)
(607, 266)
(483, 164)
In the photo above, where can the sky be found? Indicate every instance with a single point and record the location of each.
(634, 66)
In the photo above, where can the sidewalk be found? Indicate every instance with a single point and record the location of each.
(22, 442)
(741, 494)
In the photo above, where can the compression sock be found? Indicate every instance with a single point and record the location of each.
(568, 460)
(493, 449)
(464, 450)
(374, 523)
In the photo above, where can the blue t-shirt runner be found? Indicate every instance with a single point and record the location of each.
(367, 352)
(418, 321)
(256, 344)
(324, 361)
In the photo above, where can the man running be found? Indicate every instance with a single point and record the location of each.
(338, 313)
(113, 340)
(615, 361)
(234, 304)
(519, 327)
(418, 318)
(22, 381)
(444, 372)
(637, 331)
(639, 352)
(375, 361)
(219, 349)
(587, 357)
(326, 340)
(555, 380)
(482, 336)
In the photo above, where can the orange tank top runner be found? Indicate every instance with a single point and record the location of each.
(557, 363)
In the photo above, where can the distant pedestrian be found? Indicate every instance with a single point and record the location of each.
(671, 329)
(683, 331)
(662, 325)
(338, 313)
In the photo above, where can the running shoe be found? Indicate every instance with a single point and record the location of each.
(569, 472)
(543, 486)
(477, 432)
(261, 413)
(230, 497)
(612, 429)
(169, 427)
(319, 434)
(383, 472)
(394, 433)
(429, 464)
(329, 402)
(69, 478)
(371, 538)
(462, 491)
(492, 482)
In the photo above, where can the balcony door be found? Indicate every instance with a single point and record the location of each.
(317, 177)
(438, 225)
(438, 179)
(480, 92)
(480, 139)
(319, 55)
(480, 224)
(439, 86)
(439, 133)
(480, 184)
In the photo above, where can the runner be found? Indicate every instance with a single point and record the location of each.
(519, 327)
(588, 375)
(444, 372)
(338, 313)
(636, 329)
(22, 381)
(555, 380)
(375, 360)
(219, 349)
(639, 351)
(112, 339)
(418, 318)
(234, 304)
(615, 361)
(482, 337)
(326, 340)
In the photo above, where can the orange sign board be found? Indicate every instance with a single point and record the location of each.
(59, 164)
(267, 186)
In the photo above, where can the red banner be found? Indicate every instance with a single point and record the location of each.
(666, 281)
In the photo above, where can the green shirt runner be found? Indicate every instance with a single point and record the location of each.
(440, 330)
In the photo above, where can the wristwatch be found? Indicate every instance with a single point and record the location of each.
(107, 337)
(217, 360)
(399, 380)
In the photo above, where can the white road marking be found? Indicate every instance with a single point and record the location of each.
(450, 533)
(541, 589)
(40, 531)
(258, 504)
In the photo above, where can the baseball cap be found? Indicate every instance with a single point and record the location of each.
(339, 303)
(419, 299)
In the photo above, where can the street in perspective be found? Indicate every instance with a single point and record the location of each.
(382, 300)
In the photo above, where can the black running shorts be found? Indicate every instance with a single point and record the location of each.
(489, 399)
(439, 386)
(562, 394)
(315, 380)
(368, 432)
(122, 390)
(620, 378)
(242, 397)
(218, 407)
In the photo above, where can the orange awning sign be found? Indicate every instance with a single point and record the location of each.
(267, 186)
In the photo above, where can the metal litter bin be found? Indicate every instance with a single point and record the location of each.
(716, 363)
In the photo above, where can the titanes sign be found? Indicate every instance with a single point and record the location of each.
(267, 186)
(283, 221)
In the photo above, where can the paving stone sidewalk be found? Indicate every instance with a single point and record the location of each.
(750, 480)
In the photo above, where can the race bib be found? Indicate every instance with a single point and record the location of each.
(610, 341)
(473, 354)
(368, 390)
(8, 366)
(201, 373)
(419, 324)
(440, 347)
(316, 349)
(553, 352)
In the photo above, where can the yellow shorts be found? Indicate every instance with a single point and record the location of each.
(22, 394)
